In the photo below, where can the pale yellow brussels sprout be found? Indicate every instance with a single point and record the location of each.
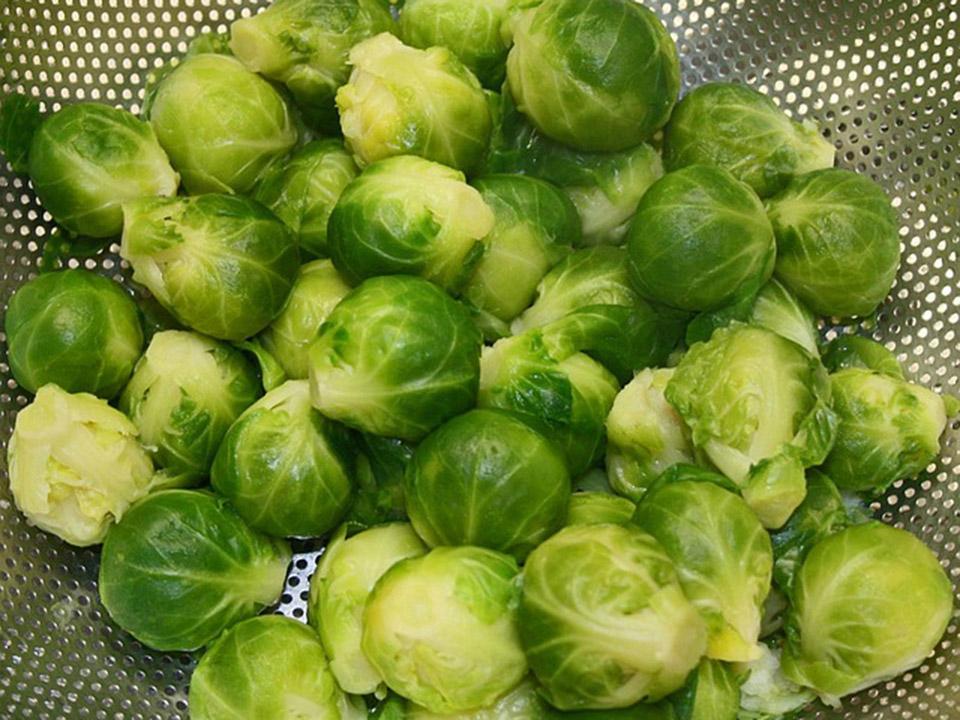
(75, 465)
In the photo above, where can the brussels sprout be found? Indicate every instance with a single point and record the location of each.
(75, 465)
(381, 467)
(766, 693)
(597, 76)
(487, 479)
(397, 357)
(604, 187)
(869, 603)
(20, 118)
(86, 160)
(645, 435)
(74, 329)
(221, 124)
(563, 394)
(222, 265)
(317, 290)
(741, 130)
(303, 190)
(534, 226)
(603, 619)
(181, 567)
(889, 430)
(304, 45)
(588, 295)
(722, 556)
(700, 240)
(712, 692)
(345, 577)
(410, 216)
(287, 469)
(852, 351)
(440, 629)
(838, 246)
(597, 508)
(405, 101)
(268, 668)
(185, 393)
(758, 405)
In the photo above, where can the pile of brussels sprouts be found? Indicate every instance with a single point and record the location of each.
(462, 293)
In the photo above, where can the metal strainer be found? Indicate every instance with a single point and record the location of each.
(880, 76)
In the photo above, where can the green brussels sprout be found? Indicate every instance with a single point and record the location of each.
(766, 693)
(397, 357)
(185, 393)
(405, 101)
(758, 406)
(221, 124)
(20, 118)
(304, 45)
(700, 240)
(605, 187)
(838, 246)
(86, 160)
(303, 191)
(487, 479)
(741, 130)
(588, 295)
(598, 508)
(348, 571)
(853, 351)
(603, 619)
(75, 465)
(645, 436)
(441, 629)
(287, 469)
(181, 567)
(406, 215)
(222, 265)
(869, 603)
(268, 668)
(722, 555)
(563, 394)
(889, 429)
(74, 329)
(712, 692)
(318, 289)
(597, 76)
(534, 226)
(381, 467)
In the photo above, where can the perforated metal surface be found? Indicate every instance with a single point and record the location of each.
(880, 76)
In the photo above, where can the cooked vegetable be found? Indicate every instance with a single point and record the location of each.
(316, 292)
(853, 351)
(381, 466)
(741, 130)
(700, 240)
(596, 508)
(440, 629)
(603, 619)
(838, 246)
(221, 124)
(397, 357)
(268, 668)
(597, 76)
(75, 465)
(185, 393)
(303, 190)
(346, 575)
(889, 429)
(405, 101)
(304, 45)
(869, 603)
(181, 567)
(487, 479)
(758, 405)
(645, 436)
(712, 692)
(407, 215)
(287, 469)
(767, 693)
(74, 329)
(222, 265)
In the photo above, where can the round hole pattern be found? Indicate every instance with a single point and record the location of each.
(880, 77)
